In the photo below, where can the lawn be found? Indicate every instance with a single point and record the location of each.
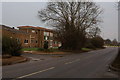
(40, 49)
(32, 49)
(86, 49)
(49, 50)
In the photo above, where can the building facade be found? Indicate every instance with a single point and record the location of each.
(30, 36)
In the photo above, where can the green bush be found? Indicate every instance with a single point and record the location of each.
(86, 49)
(41, 49)
(90, 45)
(98, 42)
(32, 49)
(10, 46)
(46, 45)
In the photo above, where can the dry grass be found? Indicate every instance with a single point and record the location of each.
(13, 60)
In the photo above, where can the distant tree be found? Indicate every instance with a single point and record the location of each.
(94, 32)
(71, 20)
(114, 42)
(98, 42)
(108, 42)
(89, 44)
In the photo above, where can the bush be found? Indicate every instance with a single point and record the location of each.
(116, 62)
(90, 45)
(98, 42)
(46, 45)
(41, 49)
(10, 46)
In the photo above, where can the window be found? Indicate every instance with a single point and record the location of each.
(51, 34)
(51, 43)
(18, 40)
(33, 31)
(55, 42)
(36, 41)
(51, 38)
(25, 41)
(46, 33)
(27, 30)
(48, 37)
(45, 38)
(32, 41)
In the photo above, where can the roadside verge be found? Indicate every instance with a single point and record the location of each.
(113, 68)
(13, 60)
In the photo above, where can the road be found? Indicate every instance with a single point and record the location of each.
(92, 64)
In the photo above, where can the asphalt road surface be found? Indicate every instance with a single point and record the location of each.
(92, 64)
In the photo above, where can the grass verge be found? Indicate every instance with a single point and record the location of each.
(116, 62)
(86, 49)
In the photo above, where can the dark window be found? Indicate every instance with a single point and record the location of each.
(48, 37)
(25, 41)
(44, 37)
(18, 40)
(36, 41)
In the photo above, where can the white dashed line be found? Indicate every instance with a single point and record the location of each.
(35, 72)
(72, 61)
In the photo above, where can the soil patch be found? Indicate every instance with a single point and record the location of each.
(13, 60)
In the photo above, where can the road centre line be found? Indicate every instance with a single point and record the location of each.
(35, 73)
(72, 61)
(79, 59)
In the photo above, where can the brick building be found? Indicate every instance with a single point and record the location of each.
(30, 36)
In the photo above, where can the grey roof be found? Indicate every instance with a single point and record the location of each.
(13, 30)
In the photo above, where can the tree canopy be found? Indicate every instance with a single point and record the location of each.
(72, 21)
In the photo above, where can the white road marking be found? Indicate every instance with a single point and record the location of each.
(35, 72)
(72, 61)
(34, 59)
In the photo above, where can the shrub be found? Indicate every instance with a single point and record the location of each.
(41, 49)
(88, 44)
(10, 46)
(46, 45)
(116, 62)
(98, 42)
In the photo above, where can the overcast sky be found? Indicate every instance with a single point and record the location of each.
(26, 13)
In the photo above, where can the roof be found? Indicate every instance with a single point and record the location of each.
(32, 27)
(25, 27)
(13, 30)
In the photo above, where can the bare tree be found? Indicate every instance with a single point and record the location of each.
(71, 20)
(93, 32)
